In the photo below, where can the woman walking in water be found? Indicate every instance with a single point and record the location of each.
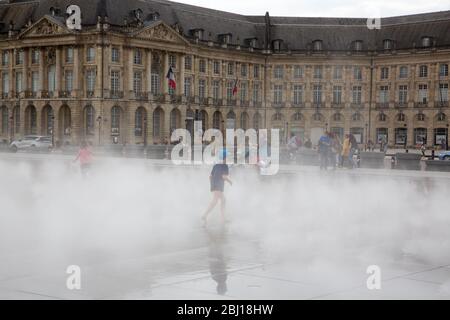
(219, 175)
(85, 158)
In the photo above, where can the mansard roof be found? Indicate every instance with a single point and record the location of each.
(296, 33)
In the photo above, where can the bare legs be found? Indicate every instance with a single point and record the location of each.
(217, 196)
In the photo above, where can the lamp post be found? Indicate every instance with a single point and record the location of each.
(11, 129)
(53, 131)
(99, 120)
(145, 132)
(367, 136)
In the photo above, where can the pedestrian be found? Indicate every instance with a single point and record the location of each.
(84, 156)
(423, 148)
(219, 174)
(443, 144)
(345, 149)
(324, 146)
(292, 147)
(353, 149)
(308, 144)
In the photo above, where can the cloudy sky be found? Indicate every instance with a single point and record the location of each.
(325, 8)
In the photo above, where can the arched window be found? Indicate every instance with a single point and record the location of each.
(317, 117)
(257, 121)
(5, 120)
(382, 117)
(420, 117)
(317, 45)
(297, 117)
(358, 45)
(175, 119)
(139, 122)
(387, 44)
(217, 119)
(30, 120)
(115, 120)
(157, 127)
(277, 117)
(47, 120)
(244, 121)
(356, 117)
(89, 114)
(16, 115)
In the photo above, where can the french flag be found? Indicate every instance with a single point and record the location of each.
(235, 88)
(171, 79)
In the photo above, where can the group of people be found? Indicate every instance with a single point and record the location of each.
(336, 153)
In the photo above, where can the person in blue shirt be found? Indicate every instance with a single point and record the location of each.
(324, 150)
(219, 174)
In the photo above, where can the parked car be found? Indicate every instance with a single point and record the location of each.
(32, 143)
(444, 155)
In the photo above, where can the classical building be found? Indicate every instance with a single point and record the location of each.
(106, 81)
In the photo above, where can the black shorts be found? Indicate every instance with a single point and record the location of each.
(217, 186)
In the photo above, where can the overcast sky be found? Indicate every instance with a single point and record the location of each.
(325, 8)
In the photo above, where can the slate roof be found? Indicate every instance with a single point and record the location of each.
(297, 33)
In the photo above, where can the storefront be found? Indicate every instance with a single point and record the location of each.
(401, 136)
(420, 136)
(382, 135)
(358, 133)
(440, 136)
(338, 132)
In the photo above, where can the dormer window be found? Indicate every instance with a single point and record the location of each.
(225, 38)
(198, 33)
(277, 45)
(358, 45)
(388, 44)
(138, 14)
(426, 42)
(317, 45)
(252, 42)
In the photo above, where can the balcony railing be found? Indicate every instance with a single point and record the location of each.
(5, 95)
(356, 105)
(401, 104)
(257, 104)
(217, 102)
(203, 101)
(141, 96)
(116, 94)
(46, 94)
(442, 104)
(278, 104)
(65, 94)
(90, 94)
(176, 98)
(231, 102)
(337, 105)
(420, 104)
(382, 105)
(245, 103)
(318, 104)
(30, 94)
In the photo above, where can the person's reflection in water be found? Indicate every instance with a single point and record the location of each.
(217, 260)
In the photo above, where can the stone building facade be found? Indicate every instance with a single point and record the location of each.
(106, 83)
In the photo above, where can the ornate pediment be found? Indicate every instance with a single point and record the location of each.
(46, 26)
(159, 31)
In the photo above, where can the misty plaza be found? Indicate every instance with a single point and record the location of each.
(157, 150)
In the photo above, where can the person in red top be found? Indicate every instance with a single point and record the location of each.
(85, 158)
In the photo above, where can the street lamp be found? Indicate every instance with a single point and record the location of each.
(53, 131)
(11, 129)
(145, 132)
(99, 120)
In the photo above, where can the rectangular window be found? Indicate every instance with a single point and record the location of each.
(337, 94)
(317, 94)
(137, 57)
(278, 72)
(423, 71)
(202, 66)
(384, 73)
(317, 72)
(201, 88)
(443, 70)
(156, 86)
(256, 71)
(244, 70)
(216, 67)
(357, 73)
(384, 94)
(230, 69)
(278, 94)
(90, 80)
(423, 93)
(69, 80)
(35, 81)
(35, 53)
(173, 61)
(137, 82)
(69, 55)
(5, 82)
(403, 94)
(19, 79)
(298, 94)
(115, 54)
(255, 92)
(5, 58)
(19, 57)
(187, 86)
(243, 91)
(443, 92)
(230, 86)
(357, 95)
(216, 88)
(90, 54)
(298, 72)
(403, 74)
(337, 74)
(115, 81)
(188, 63)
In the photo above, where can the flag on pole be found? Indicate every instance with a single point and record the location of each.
(235, 88)
(171, 79)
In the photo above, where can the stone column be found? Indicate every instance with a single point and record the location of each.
(58, 71)
(41, 72)
(149, 71)
(12, 62)
(26, 54)
(130, 74)
(76, 72)
(165, 71)
(98, 74)
(181, 79)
